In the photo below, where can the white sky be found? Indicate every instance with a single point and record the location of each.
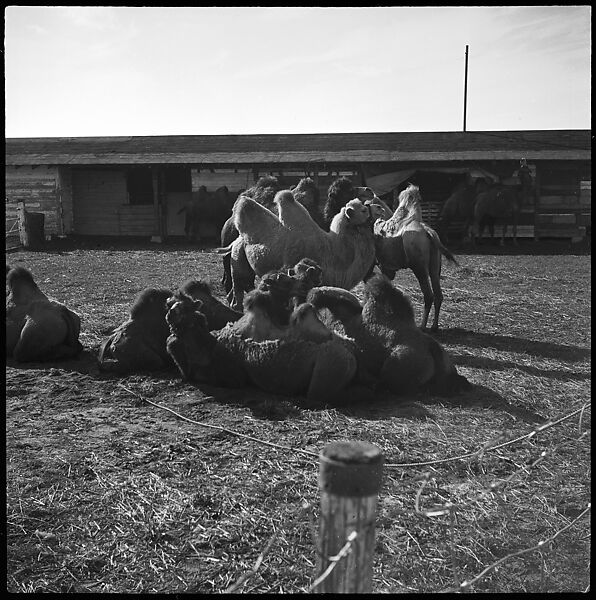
(110, 71)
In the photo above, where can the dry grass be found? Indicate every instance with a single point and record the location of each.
(108, 493)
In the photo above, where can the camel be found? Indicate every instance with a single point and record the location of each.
(460, 206)
(345, 253)
(216, 312)
(405, 242)
(340, 192)
(292, 366)
(268, 309)
(498, 203)
(389, 344)
(38, 328)
(139, 344)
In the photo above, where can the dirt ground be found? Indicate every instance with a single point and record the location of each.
(107, 491)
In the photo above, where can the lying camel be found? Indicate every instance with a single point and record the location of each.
(390, 346)
(37, 327)
(293, 366)
(345, 253)
(139, 344)
(216, 312)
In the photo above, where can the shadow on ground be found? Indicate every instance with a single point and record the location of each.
(465, 337)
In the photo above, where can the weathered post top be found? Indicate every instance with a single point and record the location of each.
(350, 469)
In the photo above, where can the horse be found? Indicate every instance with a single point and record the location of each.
(498, 204)
(404, 241)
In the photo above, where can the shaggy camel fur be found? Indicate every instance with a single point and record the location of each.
(139, 344)
(390, 346)
(293, 366)
(217, 313)
(37, 327)
(405, 242)
(340, 192)
(345, 253)
(263, 192)
(305, 192)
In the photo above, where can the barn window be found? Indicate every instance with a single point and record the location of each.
(178, 179)
(139, 184)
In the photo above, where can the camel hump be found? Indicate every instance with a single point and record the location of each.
(73, 324)
(294, 215)
(340, 302)
(253, 220)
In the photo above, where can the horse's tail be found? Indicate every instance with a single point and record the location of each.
(434, 236)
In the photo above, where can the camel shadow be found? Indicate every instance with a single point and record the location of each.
(491, 364)
(480, 396)
(465, 337)
(85, 364)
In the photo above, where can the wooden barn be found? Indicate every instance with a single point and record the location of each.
(139, 186)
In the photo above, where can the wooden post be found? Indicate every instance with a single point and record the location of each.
(157, 226)
(349, 479)
(23, 232)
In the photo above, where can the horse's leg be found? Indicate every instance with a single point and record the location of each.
(435, 280)
(421, 273)
(503, 232)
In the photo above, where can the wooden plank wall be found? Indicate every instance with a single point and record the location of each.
(234, 179)
(101, 205)
(564, 210)
(36, 188)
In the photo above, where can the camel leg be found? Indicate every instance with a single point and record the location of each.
(435, 280)
(226, 279)
(427, 292)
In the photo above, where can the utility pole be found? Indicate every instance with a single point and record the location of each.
(466, 88)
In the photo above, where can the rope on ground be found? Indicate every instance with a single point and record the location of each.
(478, 452)
(492, 448)
(539, 546)
(219, 428)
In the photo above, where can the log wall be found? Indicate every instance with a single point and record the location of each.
(36, 187)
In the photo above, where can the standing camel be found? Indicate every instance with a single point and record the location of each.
(460, 207)
(405, 242)
(498, 204)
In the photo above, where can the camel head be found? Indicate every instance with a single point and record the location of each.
(272, 297)
(21, 285)
(308, 271)
(184, 312)
(356, 212)
(306, 192)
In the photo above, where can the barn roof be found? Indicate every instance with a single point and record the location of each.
(321, 147)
